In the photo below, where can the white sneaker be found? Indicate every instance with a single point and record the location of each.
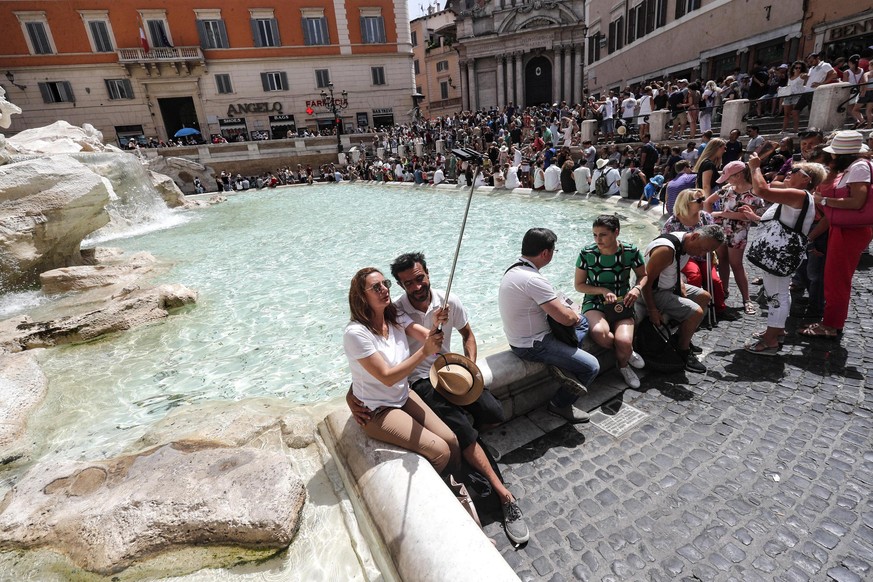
(636, 361)
(629, 377)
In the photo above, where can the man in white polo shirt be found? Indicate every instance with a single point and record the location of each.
(525, 300)
(819, 73)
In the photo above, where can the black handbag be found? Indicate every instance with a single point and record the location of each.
(564, 333)
(614, 312)
(654, 345)
(778, 249)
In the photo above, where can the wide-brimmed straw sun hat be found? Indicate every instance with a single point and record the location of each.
(601, 162)
(457, 378)
(847, 142)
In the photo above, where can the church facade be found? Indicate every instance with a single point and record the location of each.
(525, 52)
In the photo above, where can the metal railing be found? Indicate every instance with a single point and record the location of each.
(853, 92)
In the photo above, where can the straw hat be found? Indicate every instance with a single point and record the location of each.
(457, 378)
(621, 130)
(847, 142)
(601, 162)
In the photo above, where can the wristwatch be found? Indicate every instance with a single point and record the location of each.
(824, 201)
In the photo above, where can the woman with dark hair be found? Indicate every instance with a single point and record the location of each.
(708, 164)
(850, 213)
(568, 182)
(377, 349)
(603, 271)
(793, 206)
(796, 78)
(738, 208)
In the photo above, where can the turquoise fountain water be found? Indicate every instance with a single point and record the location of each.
(272, 269)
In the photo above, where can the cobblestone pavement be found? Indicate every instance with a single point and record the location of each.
(760, 469)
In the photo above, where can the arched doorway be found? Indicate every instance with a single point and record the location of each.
(538, 81)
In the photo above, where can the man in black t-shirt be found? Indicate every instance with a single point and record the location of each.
(758, 85)
(733, 148)
(648, 156)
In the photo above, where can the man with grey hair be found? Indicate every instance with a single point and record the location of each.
(666, 294)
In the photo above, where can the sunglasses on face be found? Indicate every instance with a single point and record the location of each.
(798, 171)
(376, 287)
(700, 200)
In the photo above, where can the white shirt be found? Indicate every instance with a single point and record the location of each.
(817, 74)
(645, 105)
(628, 107)
(553, 178)
(754, 144)
(789, 215)
(512, 178)
(457, 320)
(582, 176)
(522, 291)
(667, 277)
(438, 176)
(859, 171)
(516, 157)
(612, 178)
(359, 343)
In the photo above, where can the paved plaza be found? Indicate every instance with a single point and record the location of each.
(760, 469)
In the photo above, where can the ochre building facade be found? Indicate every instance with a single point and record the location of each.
(240, 69)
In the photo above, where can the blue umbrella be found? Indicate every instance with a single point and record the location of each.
(186, 131)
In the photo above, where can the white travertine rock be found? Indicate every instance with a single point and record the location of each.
(232, 424)
(108, 515)
(131, 307)
(59, 138)
(23, 387)
(47, 206)
(418, 519)
(7, 110)
(168, 190)
(183, 171)
(101, 275)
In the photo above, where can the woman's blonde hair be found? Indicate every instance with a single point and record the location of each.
(682, 206)
(816, 172)
(709, 152)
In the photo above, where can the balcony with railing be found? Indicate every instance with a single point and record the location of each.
(181, 59)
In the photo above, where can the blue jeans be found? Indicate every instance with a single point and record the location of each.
(552, 352)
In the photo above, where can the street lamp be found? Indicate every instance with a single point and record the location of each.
(331, 103)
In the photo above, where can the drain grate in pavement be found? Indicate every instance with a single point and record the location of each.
(620, 419)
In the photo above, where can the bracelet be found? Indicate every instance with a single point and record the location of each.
(638, 288)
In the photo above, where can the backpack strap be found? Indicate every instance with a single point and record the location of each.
(518, 264)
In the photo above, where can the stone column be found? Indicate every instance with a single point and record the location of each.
(579, 69)
(465, 86)
(474, 91)
(657, 120)
(823, 112)
(519, 79)
(732, 117)
(556, 75)
(566, 81)
(588, 130)
(501, 85)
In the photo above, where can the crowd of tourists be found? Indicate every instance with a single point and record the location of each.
(803, 221)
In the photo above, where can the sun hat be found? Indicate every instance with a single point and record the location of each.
(621, 130)
(783, 66)
(457, 378)
(731, 169)
(657, 180)
(601, 162)
(847, 142)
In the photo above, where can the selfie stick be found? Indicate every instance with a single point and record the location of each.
(474, 157)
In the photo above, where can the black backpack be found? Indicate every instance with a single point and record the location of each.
(635, 186)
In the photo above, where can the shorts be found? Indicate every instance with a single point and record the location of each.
(608, 125)
(676, 307)
(791, 100)
(865, 99)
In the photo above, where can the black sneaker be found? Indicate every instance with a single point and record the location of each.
(692, 364)
(694, 349)
(513, 523)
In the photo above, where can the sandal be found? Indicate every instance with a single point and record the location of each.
(749, 308)
(760, 348)
(819, 330)
(760, 334)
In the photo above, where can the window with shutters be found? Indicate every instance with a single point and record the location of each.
(683, 7)
(444, 89)
(265, 32)
(322, 78)
(101, 38)
(414, 38)
(442, 66)
(39, 39)
(213, 34)
(378, 74)
(57, 92)
(119, 88)
(275, 81)
(415, 67)
(315, 31)
(372, 29)
(222, 83)
(594, 47)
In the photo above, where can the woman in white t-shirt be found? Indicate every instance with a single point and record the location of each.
(377, 349)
